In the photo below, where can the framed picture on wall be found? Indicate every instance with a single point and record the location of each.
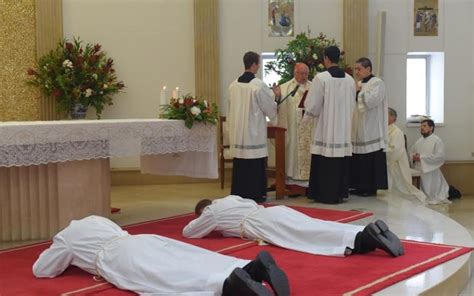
(281, 18)
(425, 18)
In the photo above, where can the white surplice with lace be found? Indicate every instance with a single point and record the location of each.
(432, 157)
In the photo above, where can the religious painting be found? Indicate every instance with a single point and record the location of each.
(281, 18)
(426, 18)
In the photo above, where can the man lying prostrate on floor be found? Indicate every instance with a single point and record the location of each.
(234, 216)
(148, 263)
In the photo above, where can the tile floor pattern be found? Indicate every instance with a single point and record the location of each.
(406, 217)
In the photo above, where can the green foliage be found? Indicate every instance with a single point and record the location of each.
(303, 49)
(73, 73)
(191, 109)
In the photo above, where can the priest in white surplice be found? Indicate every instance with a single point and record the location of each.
(369, 133)
(330, 102)
(282, 226)
(146, 263)
(399, 175)
(250, 102)
(428, 156)
(298, 134)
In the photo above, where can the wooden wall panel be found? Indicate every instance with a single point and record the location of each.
(206, 49)
(355, 29)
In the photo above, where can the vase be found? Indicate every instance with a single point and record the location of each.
(78, 111)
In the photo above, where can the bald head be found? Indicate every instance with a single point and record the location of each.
(301, 73)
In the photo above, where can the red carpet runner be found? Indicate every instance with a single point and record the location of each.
(307, 273)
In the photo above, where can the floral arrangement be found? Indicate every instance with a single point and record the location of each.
(303, 49)
(74, 74)
(191, 109)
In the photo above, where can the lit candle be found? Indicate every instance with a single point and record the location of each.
(175, 93)
(163, 97)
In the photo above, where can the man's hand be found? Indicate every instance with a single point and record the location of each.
(276, 90)
(416, 157)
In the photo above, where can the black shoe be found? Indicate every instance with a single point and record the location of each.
(240, 283)
(392, 247)
(264, 268)
(363, 193)
(362, 243)
(389, 235)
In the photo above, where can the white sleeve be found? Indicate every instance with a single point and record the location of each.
(202, 226)
(266, 102)
(314, 100)
(54, 260)
(396, 148)
(373, 95)
(435, 160)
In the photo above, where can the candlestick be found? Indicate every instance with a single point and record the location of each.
(163, 96)
(175, 93)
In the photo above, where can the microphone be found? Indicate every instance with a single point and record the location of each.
(295, 90)
(292, 93)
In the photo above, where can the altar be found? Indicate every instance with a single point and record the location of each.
(52, 172)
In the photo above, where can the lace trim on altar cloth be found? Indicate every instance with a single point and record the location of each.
(35, 143)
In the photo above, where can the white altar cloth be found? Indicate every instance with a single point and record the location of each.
(167, 147)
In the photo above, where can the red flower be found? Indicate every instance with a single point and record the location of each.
(93, 59)
(69, 47)
(97, 47)
(188, 101)
(109, 63)
(56, 93)
(31, 72)
(79, 61)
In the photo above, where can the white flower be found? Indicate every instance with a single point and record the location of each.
(88, 92)
(67, 64)
(195, 111)
(105, 86)
(101, 92)
(95, 76)
(205, 103)
(315, 56)
(181, 101)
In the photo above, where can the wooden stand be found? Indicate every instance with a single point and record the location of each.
(279, 172)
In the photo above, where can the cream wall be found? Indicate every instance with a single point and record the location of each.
(472, 85)
(456, 39)
(243, 27)
(151, 42)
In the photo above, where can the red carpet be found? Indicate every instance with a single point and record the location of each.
(329, 275)
(356, 274)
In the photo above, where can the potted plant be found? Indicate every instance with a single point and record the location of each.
(77, 76)
(190, 109)
(303, 49)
